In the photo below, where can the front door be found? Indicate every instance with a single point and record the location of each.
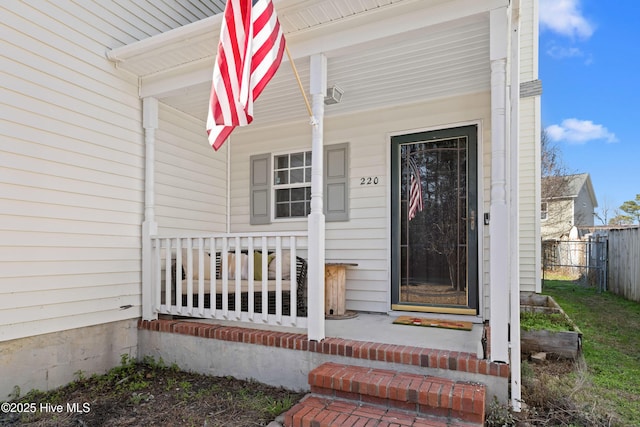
(434, 226)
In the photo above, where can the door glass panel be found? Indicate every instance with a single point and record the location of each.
(433, 261)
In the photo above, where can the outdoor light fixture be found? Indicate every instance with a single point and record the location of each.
(334, 95)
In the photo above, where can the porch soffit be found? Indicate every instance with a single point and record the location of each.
(381, 52)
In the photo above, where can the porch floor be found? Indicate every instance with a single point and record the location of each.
(379, 328)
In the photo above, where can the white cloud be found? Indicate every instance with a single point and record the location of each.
(564, 17)
(579, 132)
(559, 52)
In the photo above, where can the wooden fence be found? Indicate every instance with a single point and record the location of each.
(624, 262)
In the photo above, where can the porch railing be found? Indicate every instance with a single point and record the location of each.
(244, 277)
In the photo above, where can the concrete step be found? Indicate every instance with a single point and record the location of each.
(421, 395)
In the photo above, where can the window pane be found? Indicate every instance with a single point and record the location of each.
(282, 196)
(297, 194)
(297, 209)
(294, 172)
(297, 160)
(282, 210)
(282, 162)
(282, 177)
(297, 175)
(307, 206)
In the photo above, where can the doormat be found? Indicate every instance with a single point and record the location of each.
(434, 323)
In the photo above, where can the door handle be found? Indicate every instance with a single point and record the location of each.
(473, 220)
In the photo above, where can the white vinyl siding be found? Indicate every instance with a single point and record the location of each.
(71, 172)
(528, 40)
(190, 177)
(72, 167)
(560, 218)
(529, 198)
(529, 152)
(484, 199)
(364, 238)
(583, 208)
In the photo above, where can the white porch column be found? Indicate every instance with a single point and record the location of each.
(318, 88)
(149, 226)
(499, 248)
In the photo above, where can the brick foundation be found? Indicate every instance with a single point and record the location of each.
(400, 354)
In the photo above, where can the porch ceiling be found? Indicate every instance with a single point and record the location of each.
(380, 52)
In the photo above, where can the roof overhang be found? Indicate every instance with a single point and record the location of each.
(380, 52)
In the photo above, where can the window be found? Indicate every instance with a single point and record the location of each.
(292, 184)
(544, 213)
(280, 185)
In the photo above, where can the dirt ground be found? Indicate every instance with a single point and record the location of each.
(150, 395)
(551, 395)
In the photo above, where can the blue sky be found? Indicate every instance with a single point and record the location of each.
(590, 72)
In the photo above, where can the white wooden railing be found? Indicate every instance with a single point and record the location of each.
(190, 278)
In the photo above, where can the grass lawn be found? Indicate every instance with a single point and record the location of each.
(611, 346)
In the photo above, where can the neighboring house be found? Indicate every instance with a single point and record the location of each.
(108, 183)
(573, 206)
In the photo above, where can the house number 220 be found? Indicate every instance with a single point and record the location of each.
(369, 180)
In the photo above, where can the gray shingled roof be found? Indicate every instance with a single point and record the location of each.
(574, 184)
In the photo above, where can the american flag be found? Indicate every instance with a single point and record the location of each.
(249, 54)
(415, 190)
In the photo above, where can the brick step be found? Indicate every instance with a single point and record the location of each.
(422, 394)
(315, 411)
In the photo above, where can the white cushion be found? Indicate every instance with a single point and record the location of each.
(286, 266)
(244, 266)
(196, 264)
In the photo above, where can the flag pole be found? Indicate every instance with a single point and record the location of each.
(304, 95)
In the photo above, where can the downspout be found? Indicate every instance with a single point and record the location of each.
(316, 222)
(514, 116)
(149, 226)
